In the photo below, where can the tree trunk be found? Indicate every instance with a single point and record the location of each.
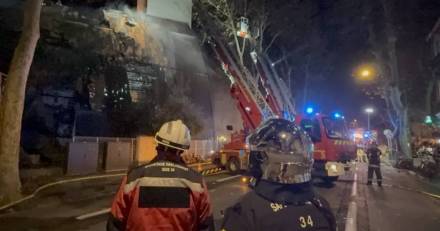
(141, 5)
(400, 109)
(404, 134)
(11, 110)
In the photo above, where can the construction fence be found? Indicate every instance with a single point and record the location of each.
(89, 155)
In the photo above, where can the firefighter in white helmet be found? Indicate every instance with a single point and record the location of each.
(164, 194)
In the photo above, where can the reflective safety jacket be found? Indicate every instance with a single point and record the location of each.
(374, 156)
(162, 196)
(274, 207)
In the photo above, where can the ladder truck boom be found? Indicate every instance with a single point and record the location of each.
(257, 98)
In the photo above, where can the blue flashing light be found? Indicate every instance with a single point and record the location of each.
(367, 134)
(337, 115)
(309, 110)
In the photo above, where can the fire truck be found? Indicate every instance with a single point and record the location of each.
(262, 95)
(333, 147)
(258, 96)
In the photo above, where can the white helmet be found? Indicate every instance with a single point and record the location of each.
(174, 134)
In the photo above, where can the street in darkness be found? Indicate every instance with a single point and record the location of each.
(398, 206)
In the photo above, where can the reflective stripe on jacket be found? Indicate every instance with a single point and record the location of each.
(162, 196)
(374, 156)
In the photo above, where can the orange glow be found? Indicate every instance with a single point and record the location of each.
(365, 72)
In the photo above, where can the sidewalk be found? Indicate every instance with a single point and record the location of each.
(432, 185)
(76, 191)
(401, 204)
(59, 207)
(68, 190)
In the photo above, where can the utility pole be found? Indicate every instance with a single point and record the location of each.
(369, 110)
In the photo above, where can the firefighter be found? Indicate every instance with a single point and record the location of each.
(280, 161)
(373, 154)
(164, 194)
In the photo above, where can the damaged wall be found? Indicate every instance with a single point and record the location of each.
(80, 47)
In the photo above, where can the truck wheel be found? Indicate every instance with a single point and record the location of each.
(330, 179)
(233, 165)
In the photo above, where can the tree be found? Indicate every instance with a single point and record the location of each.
(396, 41)
(13, 102)
(382, 37)
(302, 47)
(221, 18)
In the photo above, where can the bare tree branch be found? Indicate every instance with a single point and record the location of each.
(271, 42)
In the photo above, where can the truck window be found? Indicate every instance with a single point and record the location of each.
(311, 126)
(335, 128)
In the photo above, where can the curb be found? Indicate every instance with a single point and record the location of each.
(60, 182)
(431, 195)
(421, 178)
(412, 190)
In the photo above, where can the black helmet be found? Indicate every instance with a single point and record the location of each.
(280, 152)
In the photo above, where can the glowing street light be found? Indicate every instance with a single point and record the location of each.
(369, 110)
(365, 72)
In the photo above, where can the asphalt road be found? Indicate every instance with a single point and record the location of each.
(399, 205)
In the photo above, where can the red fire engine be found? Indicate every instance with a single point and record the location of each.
(264, 95)
(333, 147)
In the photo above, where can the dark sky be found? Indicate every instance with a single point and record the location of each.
(342, 28)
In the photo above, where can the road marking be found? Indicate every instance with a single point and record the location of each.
(351, 222)
(227, 178)
(93, 214)
(354, 187)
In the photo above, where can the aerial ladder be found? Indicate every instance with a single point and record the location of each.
(258, 97)
(264, 95)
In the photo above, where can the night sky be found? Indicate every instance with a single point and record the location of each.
(341, 31)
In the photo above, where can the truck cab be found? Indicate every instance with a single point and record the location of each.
(333, 148)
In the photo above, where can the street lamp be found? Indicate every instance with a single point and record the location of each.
(369, 111)
(365, 73)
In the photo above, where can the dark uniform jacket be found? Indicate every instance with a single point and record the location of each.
(374, 156)
(162, 196)
(276, 207)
